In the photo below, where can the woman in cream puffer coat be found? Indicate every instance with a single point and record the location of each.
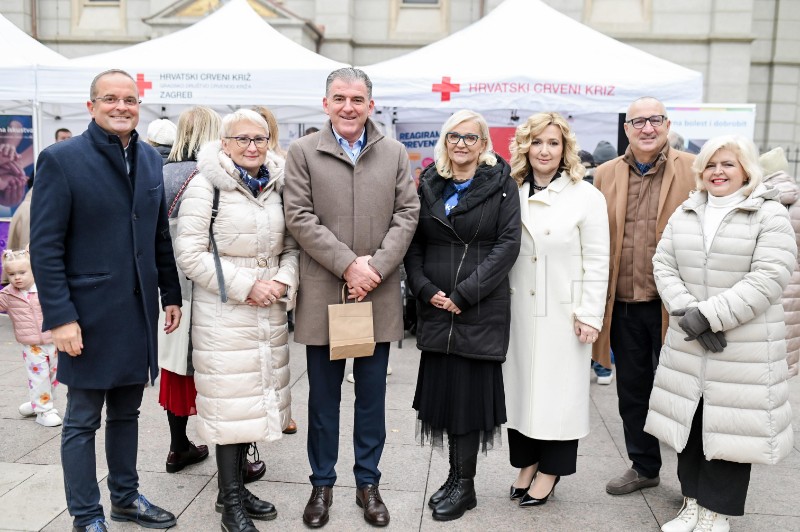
(728, 251)
(240, 347)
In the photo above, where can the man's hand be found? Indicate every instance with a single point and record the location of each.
(173, 318)
(67, 338)
(361, 277)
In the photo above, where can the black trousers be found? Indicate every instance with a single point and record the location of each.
(325, 378)
(555, 457)
(719, 485)
(636, 342)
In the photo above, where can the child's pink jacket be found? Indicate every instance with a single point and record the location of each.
(25, 314)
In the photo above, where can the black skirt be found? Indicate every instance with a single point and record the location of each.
(457, 395)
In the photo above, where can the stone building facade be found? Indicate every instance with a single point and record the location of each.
(747, 50)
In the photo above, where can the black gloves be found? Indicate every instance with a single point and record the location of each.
(712, 341)
(693, 321)
(697, 328)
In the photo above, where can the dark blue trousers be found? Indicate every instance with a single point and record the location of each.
(81, 421)
(325, 379)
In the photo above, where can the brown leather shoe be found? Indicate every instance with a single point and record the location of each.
(375, 512)
(253, 470)
(316, 513)
(178, 460)
(291, 428)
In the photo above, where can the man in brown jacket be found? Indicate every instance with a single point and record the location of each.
(351, 205)
(643, 188)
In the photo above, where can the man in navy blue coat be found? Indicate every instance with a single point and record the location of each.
(101, 251)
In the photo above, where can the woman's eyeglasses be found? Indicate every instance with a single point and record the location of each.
(469, 139)
(244, 142)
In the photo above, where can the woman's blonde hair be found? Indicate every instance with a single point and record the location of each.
(745, 151)
(242, 115)
(534, 126)
(196, 126)
(272, 122)
(443, 164)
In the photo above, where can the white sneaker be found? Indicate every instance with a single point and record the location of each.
(687, 517)
(712, 522)
(388, 369)
(26, 409)
(606, 380)
(350, 378)
(48, 419)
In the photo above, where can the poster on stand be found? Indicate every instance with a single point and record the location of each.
(16, 160)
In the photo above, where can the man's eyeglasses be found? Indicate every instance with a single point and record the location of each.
(469, 139)
(639, 122)
(244, 142)
(130, 101)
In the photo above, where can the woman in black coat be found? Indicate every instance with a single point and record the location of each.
(466, 242)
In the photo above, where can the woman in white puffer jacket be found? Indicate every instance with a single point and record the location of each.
(720, 396)
(241, 350)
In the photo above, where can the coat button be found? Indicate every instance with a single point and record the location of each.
(138, 254)
(135, 217)
(547, 231)
(533, 292)
(137, 291)
(533, 259)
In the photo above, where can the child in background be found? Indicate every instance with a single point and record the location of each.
(21, 301)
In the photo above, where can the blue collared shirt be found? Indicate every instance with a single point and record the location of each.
(355, 151)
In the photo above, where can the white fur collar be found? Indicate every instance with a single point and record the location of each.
(218, 168)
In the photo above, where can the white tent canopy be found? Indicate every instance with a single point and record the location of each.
(231, 57)
(18, 64)
(525, 55)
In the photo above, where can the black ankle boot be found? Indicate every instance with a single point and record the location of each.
(231, 489)
(461, 495)
(439, 494)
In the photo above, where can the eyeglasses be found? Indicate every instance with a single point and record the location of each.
(130, 101)
(469, 139)
(244, 142)
(655, 121)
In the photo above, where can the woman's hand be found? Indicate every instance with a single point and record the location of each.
(264, 293)
(586, 333)
(440, 300)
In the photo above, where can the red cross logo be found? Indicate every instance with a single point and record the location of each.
(445, 87)
(142, 85)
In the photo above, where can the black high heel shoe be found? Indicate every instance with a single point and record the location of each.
(528, 501)
(518, 493)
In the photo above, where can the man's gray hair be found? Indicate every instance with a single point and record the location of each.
(93, 87)
(349, 75)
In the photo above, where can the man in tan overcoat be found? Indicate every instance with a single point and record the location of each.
(351, 205)
(643, 188)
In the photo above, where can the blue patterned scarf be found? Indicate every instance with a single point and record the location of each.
(255, 184)
(452, 193)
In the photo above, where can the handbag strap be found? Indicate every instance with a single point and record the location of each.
(217, 264)
(180, 193)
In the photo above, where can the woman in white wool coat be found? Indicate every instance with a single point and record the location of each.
(558, 297)
(720, 396)
(241, 350)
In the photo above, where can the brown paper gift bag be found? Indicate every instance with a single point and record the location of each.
(351, 330)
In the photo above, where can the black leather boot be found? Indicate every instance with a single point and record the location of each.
(229, 470)
(439, 494)
(255, 507)
(461, 495)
